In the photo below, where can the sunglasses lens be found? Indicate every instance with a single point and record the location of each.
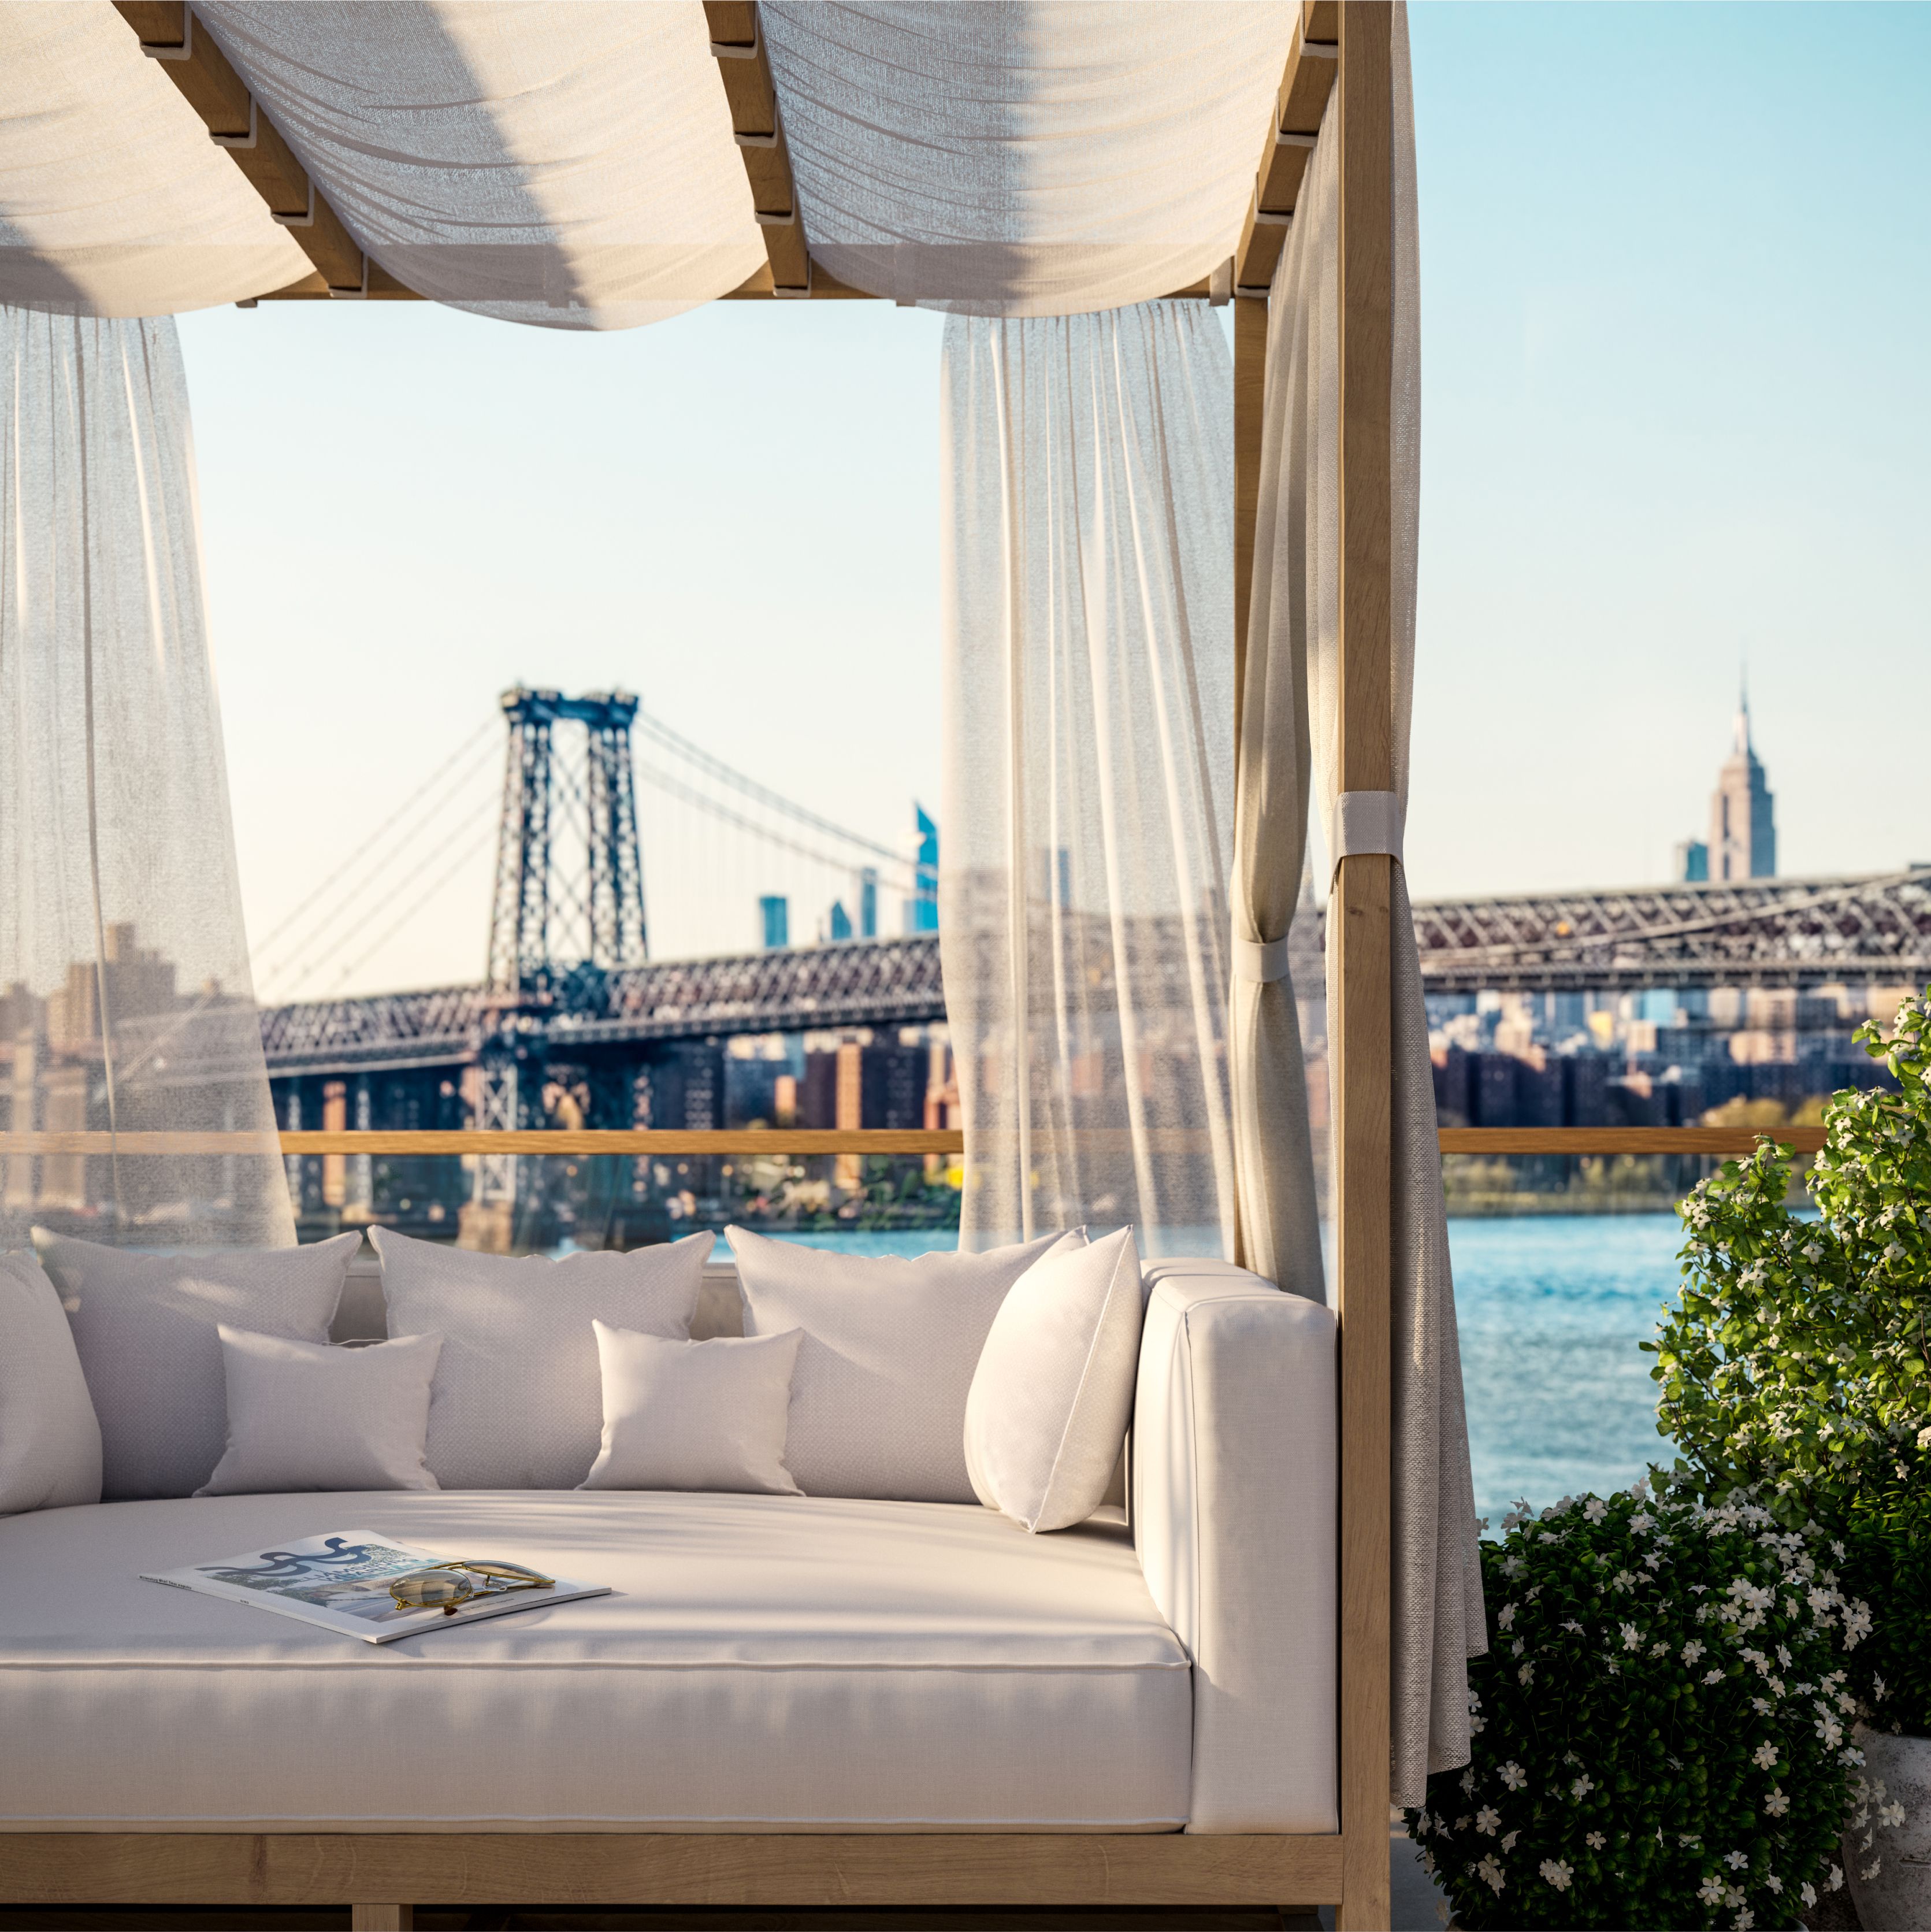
(426, 1591)
(507, 1573)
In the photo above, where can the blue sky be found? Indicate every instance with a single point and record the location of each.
(1676, 271)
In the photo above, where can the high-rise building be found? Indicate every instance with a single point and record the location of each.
(868, 902)
(1742, 843)
(1743, 819)
(922, 909)
(841, 921)
(773, 912)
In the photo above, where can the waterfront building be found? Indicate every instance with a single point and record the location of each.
(774, 913)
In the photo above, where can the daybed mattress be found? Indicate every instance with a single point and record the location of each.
(764, 1663)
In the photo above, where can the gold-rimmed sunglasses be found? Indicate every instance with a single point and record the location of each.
(449, 1586)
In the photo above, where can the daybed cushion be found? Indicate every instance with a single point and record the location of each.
(878, 1397)
(517, 1399)
(1235, 1487)
(145, 1325)
(766, 1662)
(49, 1439)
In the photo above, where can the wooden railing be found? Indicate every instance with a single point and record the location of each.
(588, 1141)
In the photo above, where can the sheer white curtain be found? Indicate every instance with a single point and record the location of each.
(1438, 1622)
(1088, 771)
(125, 1003)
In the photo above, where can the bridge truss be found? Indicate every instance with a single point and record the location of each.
(1765, 932)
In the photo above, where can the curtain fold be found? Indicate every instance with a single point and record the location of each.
(1437, 1616)
(1088, 771)
(126, 1005)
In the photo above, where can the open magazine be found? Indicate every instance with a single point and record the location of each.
(341, 1582)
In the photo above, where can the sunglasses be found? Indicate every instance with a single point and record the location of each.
(449, 1586)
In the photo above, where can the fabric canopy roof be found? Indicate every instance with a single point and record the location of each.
(572, 163)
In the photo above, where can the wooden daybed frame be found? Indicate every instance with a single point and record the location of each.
(1348, 46)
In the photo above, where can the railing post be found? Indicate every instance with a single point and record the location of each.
(1362, 1021)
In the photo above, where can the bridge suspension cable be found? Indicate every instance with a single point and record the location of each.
(716, 768)
(316, 931)
(391, 870)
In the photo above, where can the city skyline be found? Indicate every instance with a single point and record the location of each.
(1619, 497)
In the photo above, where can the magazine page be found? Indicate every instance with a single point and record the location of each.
(341, 1580)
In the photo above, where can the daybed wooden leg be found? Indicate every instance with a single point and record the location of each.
(382, 1918)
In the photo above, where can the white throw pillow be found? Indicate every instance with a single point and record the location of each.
(1054, 1391)
(517, 1401)
(49, 1436)
(878, 1396)
(303, 1415)
(145, 1326)
(694, 1415)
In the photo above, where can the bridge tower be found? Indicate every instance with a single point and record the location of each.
(569, 891)
(568, 905)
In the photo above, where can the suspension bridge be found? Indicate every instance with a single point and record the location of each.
(584, 1007)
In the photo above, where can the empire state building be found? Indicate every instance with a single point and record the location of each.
(1742, 843)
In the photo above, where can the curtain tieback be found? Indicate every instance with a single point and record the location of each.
(1367, 821)
(1262, 961)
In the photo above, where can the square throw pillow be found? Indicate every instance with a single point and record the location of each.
(517, 1399)
(694, 1415)
(305, 1415)
(145, 1326)
(49, 1437)
(1052, 1393)
(878, 1395)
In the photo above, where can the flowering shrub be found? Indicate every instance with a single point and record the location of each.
(1798, 1359)
(1661, 1722)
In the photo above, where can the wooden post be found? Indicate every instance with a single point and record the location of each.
(1250, 391)
(1362, 1066)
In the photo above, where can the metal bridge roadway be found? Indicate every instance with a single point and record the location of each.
(1765, 932)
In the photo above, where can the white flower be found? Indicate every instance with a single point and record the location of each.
(1633, 1638)
(1891, 1816)
(1488, 1820)
(1570, 1623)
(1835, 1879)
(1765, 1758)
(1641, 1521)
(1558, 1873)
(1516, 1648)
(1468, 1782)
(1595, 1841)
(1505, 1616)
(1775, 1883)
(1508, 1840)
(1871, 1870)
(1622, 1579)
(1581, 1788)
(1744, 1920)
(1808, 1893)
(1512, 1775)
(1713, 1677)
(1710, 1891)
(1595, 1510)
(1736, 1861)
(1777, 1803)
(1693, 1650)
(1527, 1674)
(1490, 1873)
(1924, 1437)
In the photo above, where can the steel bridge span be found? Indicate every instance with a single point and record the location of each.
(1764, 932)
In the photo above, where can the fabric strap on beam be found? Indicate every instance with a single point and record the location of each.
(1367, 821)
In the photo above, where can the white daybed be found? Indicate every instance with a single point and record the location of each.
(767, 1665)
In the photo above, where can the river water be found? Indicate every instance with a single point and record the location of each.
(1552, 1309)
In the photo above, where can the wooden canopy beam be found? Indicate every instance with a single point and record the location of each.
(167, 32)
(1306, 81)
(744, 65)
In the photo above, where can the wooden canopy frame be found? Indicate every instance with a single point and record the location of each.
(1348, 47)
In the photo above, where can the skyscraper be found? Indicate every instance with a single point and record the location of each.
(1743, 818)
